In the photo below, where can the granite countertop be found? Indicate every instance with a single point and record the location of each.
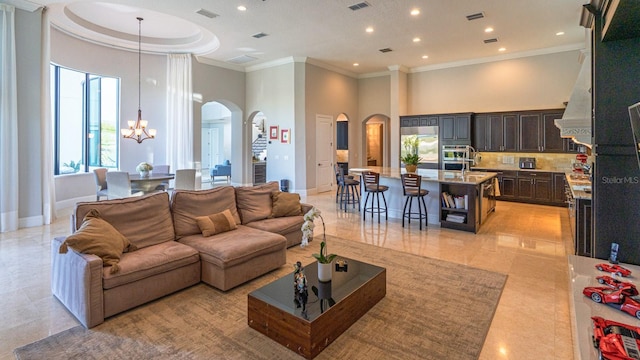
(442, 176)
(580, 185)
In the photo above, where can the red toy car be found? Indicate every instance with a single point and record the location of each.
(615, 340)
(622, 299)
(614, 283)
(614, 269)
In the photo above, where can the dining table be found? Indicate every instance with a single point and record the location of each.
(150, 183)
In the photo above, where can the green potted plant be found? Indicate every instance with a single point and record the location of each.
(324, 258)
(410, 157)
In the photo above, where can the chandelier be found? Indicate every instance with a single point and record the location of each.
(138, 128)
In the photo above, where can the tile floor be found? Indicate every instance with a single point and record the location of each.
(527, 242)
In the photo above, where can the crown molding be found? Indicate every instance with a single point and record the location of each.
(553, 50)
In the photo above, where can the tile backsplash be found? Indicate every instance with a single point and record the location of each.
(544, 161)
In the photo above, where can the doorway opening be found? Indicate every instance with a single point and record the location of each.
(376, 140)
(216, 143)
(259, 147)
(342, 142)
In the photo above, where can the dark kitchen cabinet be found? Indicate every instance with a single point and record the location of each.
(559, 195)
(534, 186)
(413, 121)
(481, 134)
(508, 185)
(538, 132)
(584, 240)
(342, 135)
(496, 132)
(455, 129)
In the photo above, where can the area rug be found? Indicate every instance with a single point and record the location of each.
(433, 310)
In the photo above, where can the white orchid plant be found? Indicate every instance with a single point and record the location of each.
(144, 166)
(307, 232)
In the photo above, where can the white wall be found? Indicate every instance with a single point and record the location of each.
(537, 82)
(271, 91)
(327, 93)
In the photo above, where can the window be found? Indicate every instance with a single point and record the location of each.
(85, 110)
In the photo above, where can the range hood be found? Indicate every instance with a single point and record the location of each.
(576, 120)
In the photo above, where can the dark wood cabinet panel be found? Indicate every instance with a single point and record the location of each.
(559, 195)
(584, 242)
(535, 186)
(510, 132)
(508, 186)
(481, 134)
(551, 140)
(529, 132)
(455, 129)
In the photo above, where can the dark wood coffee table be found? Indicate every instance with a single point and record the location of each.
(331, 308)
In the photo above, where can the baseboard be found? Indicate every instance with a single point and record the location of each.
(30, 221)
(64, 206)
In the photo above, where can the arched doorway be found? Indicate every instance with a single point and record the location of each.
(376, 140)
(222, 141)
(259, 142)
(342, 142)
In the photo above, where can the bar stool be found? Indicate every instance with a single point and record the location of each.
(371, 182)
(348, 192)
(411, 187)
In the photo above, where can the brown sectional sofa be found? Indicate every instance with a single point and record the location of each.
(171, 252)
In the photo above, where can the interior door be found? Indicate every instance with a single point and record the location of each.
(324, 153)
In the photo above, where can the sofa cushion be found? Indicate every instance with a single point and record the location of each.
(285, 204)
(187, 205)
(254, 202)
(96, 236)
(150, 261)
(282, 225)
(144, 220)
(235, 247)
(216, 223)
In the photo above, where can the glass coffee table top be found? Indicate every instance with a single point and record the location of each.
(281, 293)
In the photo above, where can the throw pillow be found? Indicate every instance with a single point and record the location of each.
(216, 223)
(285, 204)
(98, 237)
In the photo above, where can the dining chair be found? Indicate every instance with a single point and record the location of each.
(100, 175)
(119, 185)
(185, 179)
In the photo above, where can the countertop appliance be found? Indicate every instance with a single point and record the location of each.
(527, 163)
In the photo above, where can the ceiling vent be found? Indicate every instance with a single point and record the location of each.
(207, 13)
(242, 59)
(259, 35)
(489, 41)
(359, 6)
(385, 50)
(475, 16)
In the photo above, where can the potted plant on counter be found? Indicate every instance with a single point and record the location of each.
(410, 157)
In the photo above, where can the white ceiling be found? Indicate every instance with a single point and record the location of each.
(328, 31)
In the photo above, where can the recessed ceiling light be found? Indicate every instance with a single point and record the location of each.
(560, 33)
(356, 64)
(488, 30)
(425, 56)
(416, 39)
(415, 12)
(369, 29)
(242, 8)
(502, 49)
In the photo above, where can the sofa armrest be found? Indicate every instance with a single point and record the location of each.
(76, 280)
(306, 208)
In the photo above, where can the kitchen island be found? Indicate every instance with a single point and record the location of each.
(477, 188)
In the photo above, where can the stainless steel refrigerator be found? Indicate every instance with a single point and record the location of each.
(428, 148)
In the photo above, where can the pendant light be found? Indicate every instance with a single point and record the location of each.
(138, 128)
